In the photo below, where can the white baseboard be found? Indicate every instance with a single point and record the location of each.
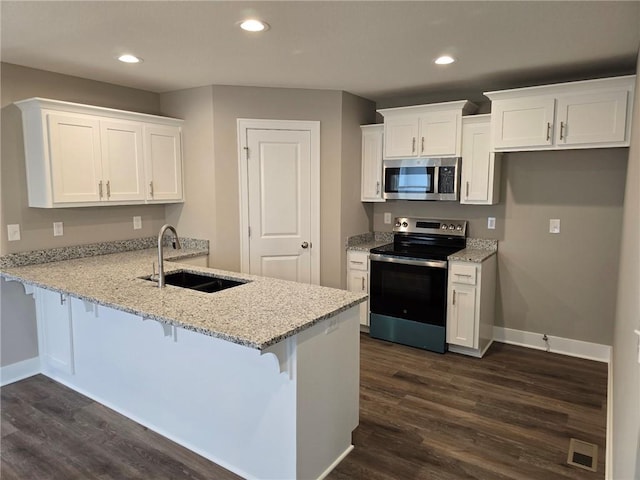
(19, 371)
(564, 346)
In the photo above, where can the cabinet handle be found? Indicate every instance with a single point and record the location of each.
(363, 284)
(467, 189)
(422, 146)
(454, 297)
(108, 189)
(413, 145)
(377, 188)
(100, 188)
(562, 130)
(62, 299)
(358, 263)
(151, 188)
(548, 131)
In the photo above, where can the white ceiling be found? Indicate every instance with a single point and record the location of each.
(376, 49)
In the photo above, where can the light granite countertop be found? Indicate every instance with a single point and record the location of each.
(477, 249)
(257, 314)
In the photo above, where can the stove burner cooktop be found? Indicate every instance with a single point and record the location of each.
(425, 238)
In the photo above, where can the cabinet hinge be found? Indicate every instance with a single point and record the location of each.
(249, 231)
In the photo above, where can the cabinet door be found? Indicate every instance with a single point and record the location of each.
(478, 166)
(401, 136)
(358, 281)
(75, 156)
(122, 162)
(592, 118)
(439, 135)
(522, 123)
(462, 316)
(55, 335)
(163, 163)
(371, 188)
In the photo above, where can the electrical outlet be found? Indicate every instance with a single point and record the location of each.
(137, 223)
(58, 229)
(387, 218)
(554, 225)
(491, 223)
(13, 232)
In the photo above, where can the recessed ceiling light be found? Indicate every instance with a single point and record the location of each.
(253, 25)
(128, 58)
(444, 60)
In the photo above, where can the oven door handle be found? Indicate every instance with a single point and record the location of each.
(376, 257)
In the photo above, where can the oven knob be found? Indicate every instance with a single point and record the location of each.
(451, 227)
(443, 227)
(397, 224)
(459, 228)
(405, 224)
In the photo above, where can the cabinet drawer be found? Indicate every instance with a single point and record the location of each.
(465, 274)
(358, 261)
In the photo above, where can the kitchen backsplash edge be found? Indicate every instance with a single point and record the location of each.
(90, 250)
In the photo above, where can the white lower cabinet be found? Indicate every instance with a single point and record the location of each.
(358, 280)
(55, 331)
(471, 306)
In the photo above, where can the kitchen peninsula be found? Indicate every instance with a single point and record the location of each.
(261, 378)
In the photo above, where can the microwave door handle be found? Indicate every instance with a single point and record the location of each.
(436, 178)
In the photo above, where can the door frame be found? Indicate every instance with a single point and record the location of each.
(313, 127)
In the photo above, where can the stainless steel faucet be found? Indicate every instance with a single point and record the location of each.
(176, 245)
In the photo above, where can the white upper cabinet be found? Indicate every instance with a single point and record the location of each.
(424, 130)
(79, 155)
(588, 114)
(163, 163)
(480, 165)
(371, 188)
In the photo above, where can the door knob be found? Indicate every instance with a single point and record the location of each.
(305, 245)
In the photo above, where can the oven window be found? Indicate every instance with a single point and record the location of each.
(409, 179)
(407, 291)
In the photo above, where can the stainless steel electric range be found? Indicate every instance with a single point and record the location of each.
(408, 285)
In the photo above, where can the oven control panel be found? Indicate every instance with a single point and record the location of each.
(430, 226)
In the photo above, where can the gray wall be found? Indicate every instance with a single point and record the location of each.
(565, 284)
(81, 225)
(626, 370)
(220, 205)
(196, 217)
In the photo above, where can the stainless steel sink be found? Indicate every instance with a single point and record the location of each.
(197, 281)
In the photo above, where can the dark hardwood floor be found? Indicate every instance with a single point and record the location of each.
(422, 416)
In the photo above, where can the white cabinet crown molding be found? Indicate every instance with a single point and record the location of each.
(71, 107)
(613, 83)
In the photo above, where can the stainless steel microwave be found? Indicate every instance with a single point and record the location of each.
(422, 179)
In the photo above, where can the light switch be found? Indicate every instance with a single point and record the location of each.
(387, 217)
(137, 223)
(13, 232)
(58, 230)
(554, 225)
(491, 223)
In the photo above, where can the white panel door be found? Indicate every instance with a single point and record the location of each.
(592, 118)
(163, 163)
(476, 163)
(523, 122)
(401, 136)
(122, 162)
(439, 134)
(279, 183)
(76, 168)
(462, 317)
